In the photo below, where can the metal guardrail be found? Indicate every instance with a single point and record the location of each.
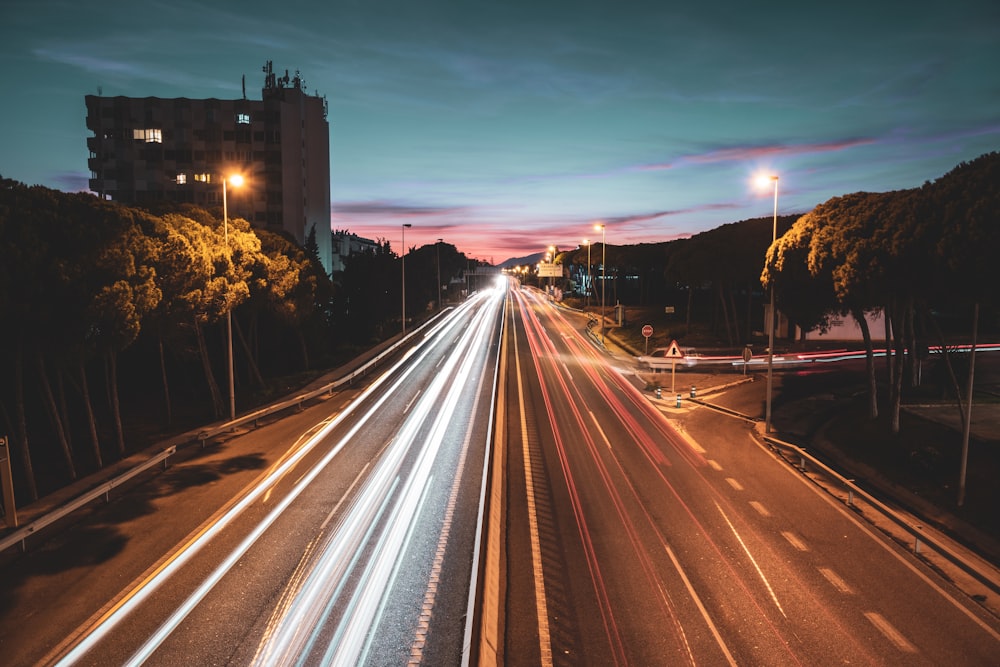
(20, 535)
(919, 537)
(297, 401)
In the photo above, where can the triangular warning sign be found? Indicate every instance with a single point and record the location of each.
(673, 352)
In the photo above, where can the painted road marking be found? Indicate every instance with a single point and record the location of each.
(836, 581)
(794, 540)
(891, 633)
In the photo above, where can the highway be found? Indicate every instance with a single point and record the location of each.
(633, 532)
(643, 534)
(352, 546)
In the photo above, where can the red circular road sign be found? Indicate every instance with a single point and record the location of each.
(647, 331)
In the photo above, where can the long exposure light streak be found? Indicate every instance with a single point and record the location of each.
(360, 610)
(139, 595)
(646, 443)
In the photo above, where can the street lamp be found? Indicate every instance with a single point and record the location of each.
(402, 258)
(589, 281)
(439, 271)
(237, 181)
(763, 181)
(604, 271)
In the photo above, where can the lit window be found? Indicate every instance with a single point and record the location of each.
(150, 136)
(203, 178)
(182, 179)
(243, 118)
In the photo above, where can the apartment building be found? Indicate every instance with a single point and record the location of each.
(151, 149)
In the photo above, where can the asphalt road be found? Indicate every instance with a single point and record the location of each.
(640, 533)
(637, 533)
(324, 537)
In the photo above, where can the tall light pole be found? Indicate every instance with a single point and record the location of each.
(439, 271)
(402, 258)
(237, 181)
(765, 180)
(589, 281)
(551, 257)
(604, 270)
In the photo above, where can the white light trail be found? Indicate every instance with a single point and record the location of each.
(185, 554)
(360, 609)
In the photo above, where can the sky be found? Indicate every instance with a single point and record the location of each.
(506, 126)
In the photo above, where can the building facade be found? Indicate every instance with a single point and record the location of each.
(346, 244)
(149, 150)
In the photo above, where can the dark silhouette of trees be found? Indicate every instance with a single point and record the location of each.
(725, 260)
(907, 254)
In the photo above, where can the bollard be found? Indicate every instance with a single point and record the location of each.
(692, 391)
(678, 400)
(659, 393)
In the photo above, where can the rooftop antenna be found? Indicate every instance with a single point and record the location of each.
(244, 86)
(100, 91)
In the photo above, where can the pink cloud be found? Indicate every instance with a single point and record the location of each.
(750, 153)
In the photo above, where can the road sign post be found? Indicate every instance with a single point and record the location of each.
(673, 353)
(647, 331)
(747, 355)
(7, 484)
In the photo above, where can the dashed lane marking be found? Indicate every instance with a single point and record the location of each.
(891, 633)
(836, 581)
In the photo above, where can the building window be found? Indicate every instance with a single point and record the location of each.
(203, 178)
(150, 136)
(243, 118)
(182, 179)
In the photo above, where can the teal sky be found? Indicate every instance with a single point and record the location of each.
(505, 127)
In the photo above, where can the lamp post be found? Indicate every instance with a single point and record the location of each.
(237, 181)
(604, 270)
(765, 180)
(439, 271)
(551, 257)
(589, 281)
(402, 258)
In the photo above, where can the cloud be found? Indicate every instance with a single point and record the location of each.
(645, 217)
(387, 208)
(71, 181)
(751, 153)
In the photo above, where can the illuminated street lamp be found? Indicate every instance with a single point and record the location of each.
(237, 181)
(402, 258)
(763, 181)
(604, 270)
